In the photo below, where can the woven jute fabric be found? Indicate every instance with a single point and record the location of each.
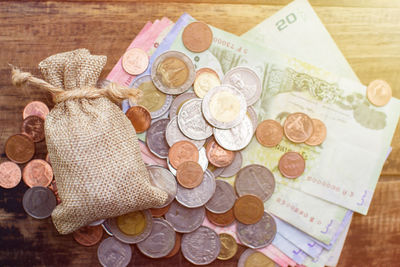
(93, 149)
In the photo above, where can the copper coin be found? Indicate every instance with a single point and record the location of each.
(88, 235)
(269, 133)
(379, 93)
(53, 187)
(10, 174)
(217, 155)
(135, 61)
(177, 246)
(291, 165)
(318, 135)
(222, 219)
(158, 212)
(298, 127)
(140, 118)
(37, 173)
(36, 108)
(182, 151)
(189, 174)
(248, 209)
(197, 36)
(19, 148)
(33, 126)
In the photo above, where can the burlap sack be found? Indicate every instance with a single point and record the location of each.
(92, 145)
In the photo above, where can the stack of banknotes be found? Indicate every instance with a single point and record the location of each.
(301, 70)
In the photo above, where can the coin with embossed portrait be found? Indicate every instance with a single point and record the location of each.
(224, 106)
(173, 72)
(379, 92)
(246, 81)
(198, 196)
(155, 138)
(181, 152)
(39, 202)
(183, 219)
(229, 246)
(153, 99)
(237, 137)
(132, 227)
(217, 155)
(10, 174)
(206, 79)
(112, 252)
(173, 134)
(255, 180)
(135, 61)
(161, 240)
(201, 247)
(223, 199)
(191, 120)
(165, 180)
(259, 234)
(298, 127)
(36, 108)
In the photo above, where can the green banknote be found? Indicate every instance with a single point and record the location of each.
(343, 170)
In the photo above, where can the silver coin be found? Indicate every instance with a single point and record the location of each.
(183, 219)
(155, 138)
(191, 120)
(247, 253)
(173, 134)
(255, 180)
(168, 98)
(131, 239)
(160, 66)
(106, 228)
(178, 102)
(171, 169)
(223, 199)
(112, 252)
(161, 240)
(235, 138)
(198, 196)
(253, 117)
(224, 106)
(39, 202)
(235, 166)
(203, 160)
(95, 223)
(246, 81)
(257, 235)
(202, 246)
(165, 180)
(217, 171)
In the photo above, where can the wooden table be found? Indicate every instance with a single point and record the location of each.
(367, 32)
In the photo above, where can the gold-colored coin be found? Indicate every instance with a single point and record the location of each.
(379, 93)
(173, 72)
(229, 247)
(206, 79)
(132, 223)
(224, 106)
(152, 98)
(257, 259)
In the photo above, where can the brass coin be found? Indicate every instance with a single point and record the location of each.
(318, 135)
(379, 93)
(140, 118)
(189, 174)
(19, 148)
(298, 127)
(269, 133)
(248, 209)
(257, 259)
(197, 36)
(133, 223)
(229, 247)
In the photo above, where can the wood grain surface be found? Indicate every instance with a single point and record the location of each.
(367, 32)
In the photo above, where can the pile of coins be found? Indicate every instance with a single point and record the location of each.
(41, 197)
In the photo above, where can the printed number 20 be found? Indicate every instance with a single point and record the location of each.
(283, 23)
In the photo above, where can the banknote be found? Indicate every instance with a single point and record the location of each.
(289, 249)
(144, 40)
(296, 30)
(303, 214)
